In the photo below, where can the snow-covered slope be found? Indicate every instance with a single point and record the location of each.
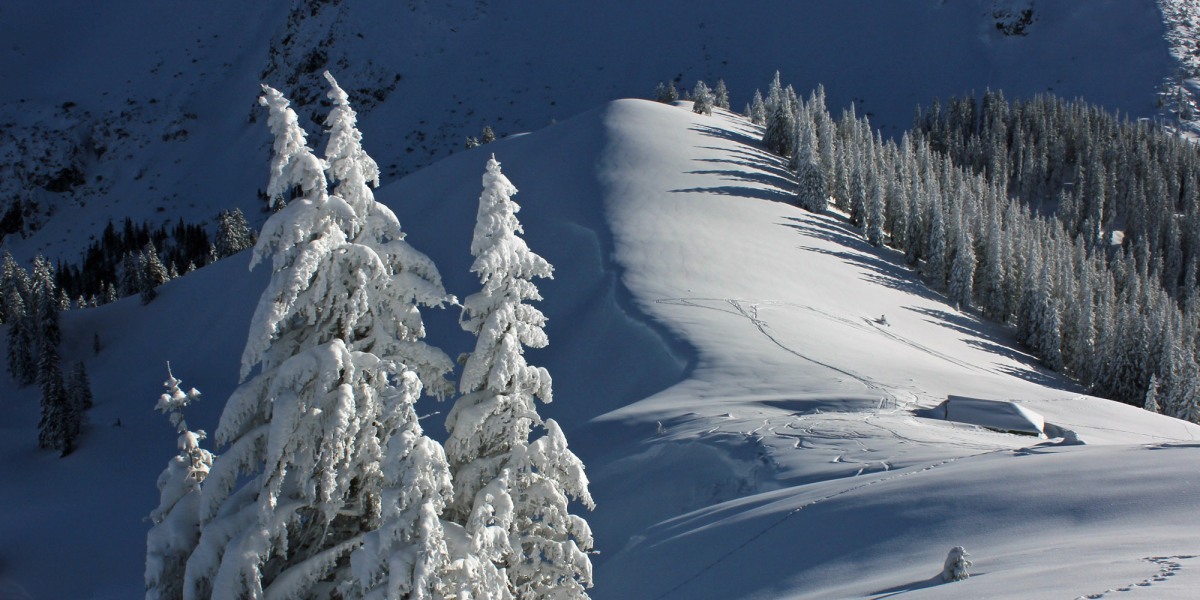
(751, 426)
(146, 109)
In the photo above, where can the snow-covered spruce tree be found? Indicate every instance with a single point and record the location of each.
(962, 271)
(812, 194)
(875, 211)
(414, 280)
(721, 95)
(406, 556)
(312, 428)
(154, 273)
(79, 388)
(702, 99)
(777, 135)
(60, 421)
(1151, 402)
(177, 518)
(501, 480)
(758, 109)
(666, 94)
(233, 233)
(21, 363)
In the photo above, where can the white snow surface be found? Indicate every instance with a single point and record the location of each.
(750, 428)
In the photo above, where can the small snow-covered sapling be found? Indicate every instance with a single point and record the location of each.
(956, 565)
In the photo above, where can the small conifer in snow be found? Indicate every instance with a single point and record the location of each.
(21, 364)
(812, 192)
(758, 109)
(778, 133)
(233, 233)
(957, 563)
(721, 95)
(79, 388)
(1151, 403)
(666, 93)
(702, 99)
(177, 518)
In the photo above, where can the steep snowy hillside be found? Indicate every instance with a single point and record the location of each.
(751, 425)
(147, 109)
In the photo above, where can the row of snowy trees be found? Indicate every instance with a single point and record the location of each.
(1104, 175)
(130, 263)
(327, 485)
(1095, 313)
(135, 258)
(704, 98)
(31, 305)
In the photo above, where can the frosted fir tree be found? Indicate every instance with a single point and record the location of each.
(758, 109)
(407, 556)
(875, 211)
(721, 95)
(666, 93)
(414, 280)
(781, 123)
(1151, 401)
(775, 95)
(176, 520)
(79, 388)
(702, 103)
(233, 233)
(60, 422)
(21, 363)
(331, 394)
(957, 563)
(812, 193)
(153, 273)
(502, 481)
(962, 271)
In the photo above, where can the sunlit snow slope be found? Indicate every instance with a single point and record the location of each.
(750, 428)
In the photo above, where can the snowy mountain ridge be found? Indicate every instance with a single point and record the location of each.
(161, 126)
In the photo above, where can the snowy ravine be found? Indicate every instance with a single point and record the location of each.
(751, 427)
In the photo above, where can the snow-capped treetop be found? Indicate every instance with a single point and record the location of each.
(174, 400)
(343, 267)
(299, 238)
(176, 518)
(502, 258)
(411, 278)
(347, 162)
(292, 162)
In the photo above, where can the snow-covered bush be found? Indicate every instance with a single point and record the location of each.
(956, 565)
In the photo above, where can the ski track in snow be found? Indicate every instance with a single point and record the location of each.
(740, 309)
(1168, 566)
(789, 514)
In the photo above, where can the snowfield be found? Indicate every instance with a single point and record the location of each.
(758, 394)
(750, 386)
